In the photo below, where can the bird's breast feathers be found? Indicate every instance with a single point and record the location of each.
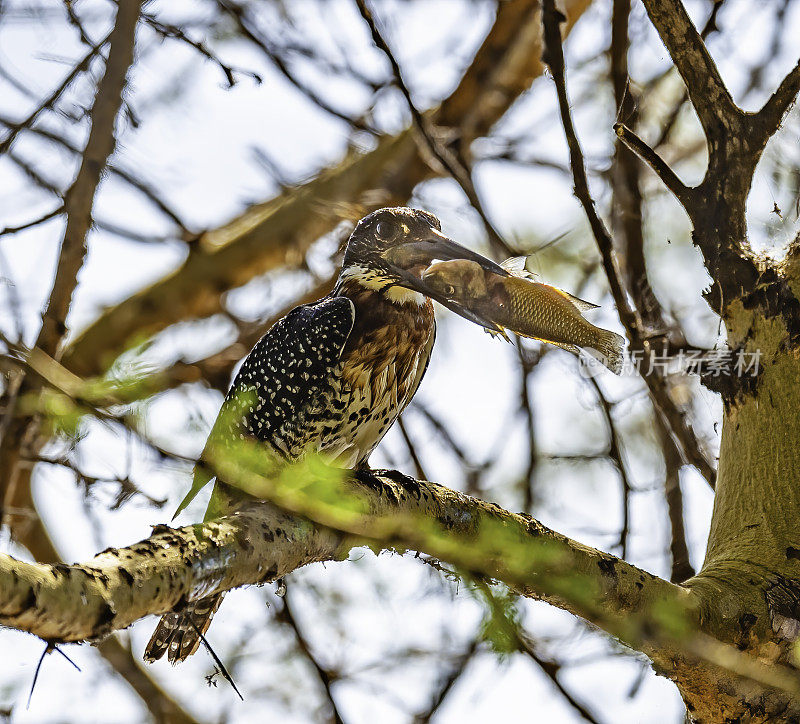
(380, 369)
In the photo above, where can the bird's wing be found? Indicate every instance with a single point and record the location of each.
(282, 383)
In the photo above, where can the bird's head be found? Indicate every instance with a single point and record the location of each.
(390, 248)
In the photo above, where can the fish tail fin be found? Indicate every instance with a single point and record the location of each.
(609, 350)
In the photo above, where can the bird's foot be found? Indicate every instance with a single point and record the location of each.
(395, 476)
(373, 478)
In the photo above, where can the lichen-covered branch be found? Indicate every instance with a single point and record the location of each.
(120, 586)
(262, 542)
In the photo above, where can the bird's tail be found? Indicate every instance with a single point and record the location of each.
(610, 350)
(178, 634)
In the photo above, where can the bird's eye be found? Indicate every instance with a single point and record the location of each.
(449, 290)
(385, 230)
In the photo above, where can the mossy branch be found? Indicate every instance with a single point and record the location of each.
(261, 542)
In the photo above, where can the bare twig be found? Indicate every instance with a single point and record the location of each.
(448, 681)
(528, 363)
(681, 566)
(167, 30)
(35, 222)
(419, 471)
(326, 677)
(685, 194)
(48, 102)
(626, 193)
(550, 669)
(75, 21)
(554, 57)
(140, 185)
(617, 456)
(525, 645)
(441, 153)
(248, 29)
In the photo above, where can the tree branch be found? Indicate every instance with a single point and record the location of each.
(326, 678)
(772, 113)
(554, 56)
(74, 603)
(79, 199)
(625, 177)
(139, 184)
(248, 28)
(685, 194)
(48, 102)
(707, 91)
(429, 137)
(681, 566)
(448, 680)
(260, 543)
(162, 706)
(78, 203)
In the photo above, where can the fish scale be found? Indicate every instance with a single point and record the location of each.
(540, 311)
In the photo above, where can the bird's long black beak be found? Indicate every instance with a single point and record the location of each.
(409, 259)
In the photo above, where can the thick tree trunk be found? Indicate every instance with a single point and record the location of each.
(749, 586)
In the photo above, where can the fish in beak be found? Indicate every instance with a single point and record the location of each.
(409, 259)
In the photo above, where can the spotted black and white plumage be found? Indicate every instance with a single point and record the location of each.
(330, 377)
(290, 381)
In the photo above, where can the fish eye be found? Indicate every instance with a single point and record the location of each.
(385, 230)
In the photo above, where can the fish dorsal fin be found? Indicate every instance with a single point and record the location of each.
(515, 266)
(581, 304)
